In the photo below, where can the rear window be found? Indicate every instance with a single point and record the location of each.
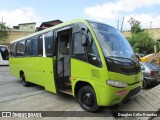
(4, 53)
(153, 67)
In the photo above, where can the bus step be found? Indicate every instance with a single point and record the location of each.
(67, 91)
(67, 83)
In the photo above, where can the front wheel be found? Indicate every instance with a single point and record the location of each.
(87, 99)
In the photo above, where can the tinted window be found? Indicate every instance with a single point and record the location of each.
(4, 53)
(112, 42)
(93, 55)
(20, 48)
(49, 43)
(40, 46)
(28, 47)
(33, 47)
(153, 67)
(78, 49)
(13, 49)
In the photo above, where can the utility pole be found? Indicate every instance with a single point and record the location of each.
(2, 19)
(122, 24)
(150, 24)
(117, 24)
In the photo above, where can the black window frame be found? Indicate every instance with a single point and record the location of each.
(38, 38)
(52, 43)
(13, 49)
(26, 50)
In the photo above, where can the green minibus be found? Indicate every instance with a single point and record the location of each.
(89, 60)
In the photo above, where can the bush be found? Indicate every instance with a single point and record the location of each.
(142, 42)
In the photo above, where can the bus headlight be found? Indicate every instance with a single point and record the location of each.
(116, 83)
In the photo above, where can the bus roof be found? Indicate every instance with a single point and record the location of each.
(48, 29)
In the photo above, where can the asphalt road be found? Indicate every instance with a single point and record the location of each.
(15, 97)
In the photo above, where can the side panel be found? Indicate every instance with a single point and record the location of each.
(79, 71)
(38, 70)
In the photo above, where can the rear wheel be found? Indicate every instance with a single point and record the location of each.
(144, 84)
(24, 83)
(87, 99)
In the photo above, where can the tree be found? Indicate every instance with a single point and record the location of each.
(3, 31)
(140, 40)
(135, 26)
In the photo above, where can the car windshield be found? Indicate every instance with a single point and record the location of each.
(153, 67)
(112, 41)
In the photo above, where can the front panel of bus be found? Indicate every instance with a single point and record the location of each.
(120, 72)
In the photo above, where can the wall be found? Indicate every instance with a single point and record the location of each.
(13, 35)
(27, 27)
(154, 32)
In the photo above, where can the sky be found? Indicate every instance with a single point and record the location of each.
(15, 12)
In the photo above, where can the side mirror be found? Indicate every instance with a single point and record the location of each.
(84, 37)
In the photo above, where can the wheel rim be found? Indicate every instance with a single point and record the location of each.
(87, 99)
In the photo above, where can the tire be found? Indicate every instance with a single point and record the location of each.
(144, 85)
(24, 83)
(87, 99)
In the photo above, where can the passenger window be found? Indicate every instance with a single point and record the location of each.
(20, 48)
(49, 43)
(93, 54)
(28, 47)
(78, 49)
(40, 46)
(13, 49)
(33, 47)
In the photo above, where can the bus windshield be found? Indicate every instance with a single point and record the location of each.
(112, 42)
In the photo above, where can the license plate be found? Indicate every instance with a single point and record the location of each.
(121, 92)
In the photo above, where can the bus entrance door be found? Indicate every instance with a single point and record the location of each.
(63, 65)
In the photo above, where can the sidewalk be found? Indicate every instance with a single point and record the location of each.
(148, 101)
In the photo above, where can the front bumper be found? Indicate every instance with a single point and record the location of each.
(151, 81)
(132, 93)
(108, 96)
